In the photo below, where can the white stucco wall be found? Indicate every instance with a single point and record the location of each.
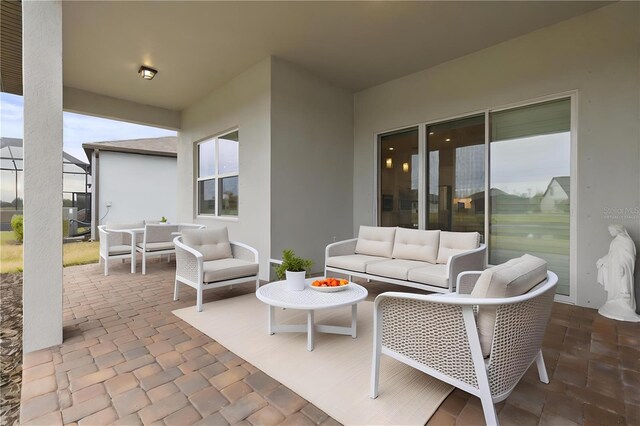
(595, 54)
(42, 79)
(140, 187)
(311, 159)
(243, 102)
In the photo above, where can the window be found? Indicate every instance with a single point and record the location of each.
(217, 189)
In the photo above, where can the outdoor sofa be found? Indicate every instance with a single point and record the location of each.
(424, 259)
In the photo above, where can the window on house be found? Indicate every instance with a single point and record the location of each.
(218, 175)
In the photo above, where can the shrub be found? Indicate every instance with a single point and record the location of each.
(17, 225)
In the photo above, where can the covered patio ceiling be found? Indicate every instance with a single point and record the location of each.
(198, 46)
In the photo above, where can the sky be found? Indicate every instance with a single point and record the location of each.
(78, 128)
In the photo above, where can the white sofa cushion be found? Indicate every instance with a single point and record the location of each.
(227, 269)
(212, 243)
(415, 244)
(393, 268)
(157, 246)
(513, 278)
(119, 249)
(375, 241)
(452, 243)
(353, 262)
(430, 275)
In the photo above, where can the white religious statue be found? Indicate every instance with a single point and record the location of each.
(615, 273)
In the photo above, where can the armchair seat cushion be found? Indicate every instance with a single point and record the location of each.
(354, 262)
(168, 245)
(394, 268)
(119, 249)
(228, 269)
(430, 274)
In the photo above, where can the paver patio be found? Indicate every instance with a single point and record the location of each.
(126, 359)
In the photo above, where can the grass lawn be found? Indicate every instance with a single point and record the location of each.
(78, 253)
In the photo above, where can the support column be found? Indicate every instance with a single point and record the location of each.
(42, 88)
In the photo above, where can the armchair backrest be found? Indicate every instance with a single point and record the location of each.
(513, 278)
(212, 243)
(118, 238)
(518, 334)
(159, 233)
(184, 226)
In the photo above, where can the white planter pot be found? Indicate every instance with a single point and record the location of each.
(296, 280)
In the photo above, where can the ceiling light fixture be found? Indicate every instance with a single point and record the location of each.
(147, 73)
(447, 140)
(431, 133)
(391, 149)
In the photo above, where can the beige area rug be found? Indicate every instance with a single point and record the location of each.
(336, 375)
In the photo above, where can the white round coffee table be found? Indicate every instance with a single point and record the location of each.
(277, 296)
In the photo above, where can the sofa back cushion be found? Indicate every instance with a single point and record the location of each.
(415, 244)
(212, 243)
(513, 278)
(375, 241)
(452, 243)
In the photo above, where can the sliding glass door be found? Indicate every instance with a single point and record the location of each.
(520, 204)
(398, 179)
(530, 176)
(455, 178)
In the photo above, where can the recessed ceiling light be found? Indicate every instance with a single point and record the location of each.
(431, 133)
(147, 73)
(447, 140)
(391, 149)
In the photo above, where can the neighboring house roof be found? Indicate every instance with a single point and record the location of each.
(16, 154)
(165, 146)
(563, 181)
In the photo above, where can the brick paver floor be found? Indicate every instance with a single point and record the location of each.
(126, 359)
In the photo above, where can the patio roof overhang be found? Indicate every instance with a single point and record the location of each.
(198, 46)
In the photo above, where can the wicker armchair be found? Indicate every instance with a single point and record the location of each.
(117, 241)
(210, 260)
(438, 334)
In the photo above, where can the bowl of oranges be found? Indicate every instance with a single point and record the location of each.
(329, 285)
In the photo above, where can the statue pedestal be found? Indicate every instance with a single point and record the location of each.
(619, 309)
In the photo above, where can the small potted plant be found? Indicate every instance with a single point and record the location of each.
(295, 269)
(163, 219)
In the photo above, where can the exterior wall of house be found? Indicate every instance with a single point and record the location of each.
(311, 160)
(595, 54)
(243, 102)
(140, 187)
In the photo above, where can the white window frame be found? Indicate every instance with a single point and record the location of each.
(216, 177)
(422, 190)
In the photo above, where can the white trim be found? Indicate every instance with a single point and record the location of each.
(423, 205)
(214, 217)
